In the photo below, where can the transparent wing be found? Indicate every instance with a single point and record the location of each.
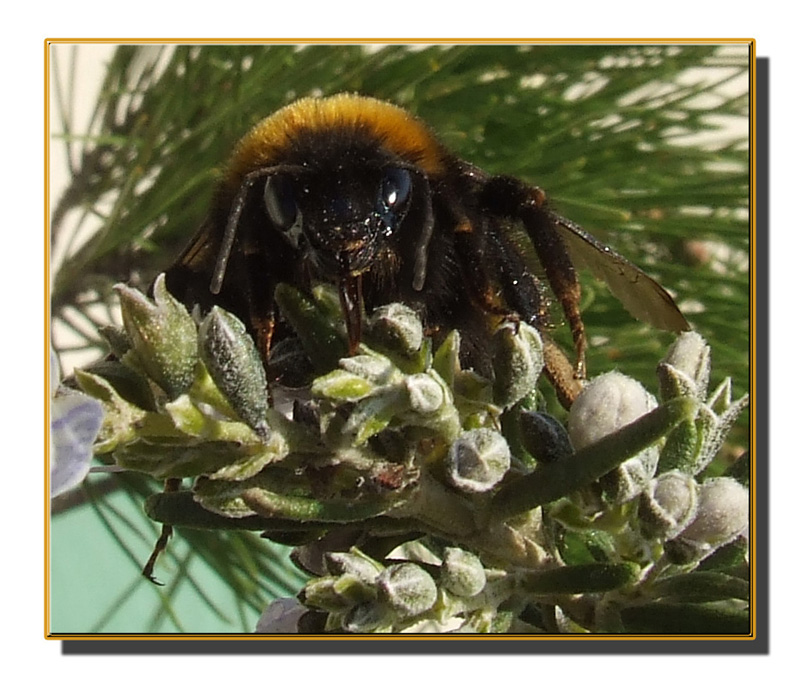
(644, 299)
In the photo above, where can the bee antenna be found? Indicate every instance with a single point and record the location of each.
(421, 259)
(229, 236)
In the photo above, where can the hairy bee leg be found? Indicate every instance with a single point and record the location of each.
(562, 277)
(170, 486)
(260, 294)
(521, 290)
(421, 254)
(508, 197)
(232, 224)
(560, 373)
(472, 248)
(350, 296)
(160, 546)
(263, 328)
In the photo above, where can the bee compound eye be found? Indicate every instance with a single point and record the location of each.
(280, 203)
(395, 188)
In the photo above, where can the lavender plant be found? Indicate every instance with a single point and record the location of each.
(422, 496)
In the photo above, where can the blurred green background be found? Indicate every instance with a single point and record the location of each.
(645, 146)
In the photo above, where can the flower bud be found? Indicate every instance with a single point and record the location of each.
(446, 359)
(723, 511)
(544, 437)
(372, 415)
(714, 422)
(369, 616)
(606, 404)
(398, 328)
(631, 478)
(163, 336)
(407, 588)
(353, 562)
(517, 359)
(686, 368)
(681, 448)
(425, 394)
(462, 572)
(336, 592)
(722, 515)
(235, 365)
(372, 367)
(341, 385)
(669, 504)
(314, 320)
(478, 460)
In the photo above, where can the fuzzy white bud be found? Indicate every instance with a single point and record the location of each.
(478, 460)
(723, 512)
(606, 404)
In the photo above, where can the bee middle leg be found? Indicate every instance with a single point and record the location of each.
(524, 292)
(509, 198)
(513, 293)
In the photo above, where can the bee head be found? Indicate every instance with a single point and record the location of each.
(337, 178)
(339, 218)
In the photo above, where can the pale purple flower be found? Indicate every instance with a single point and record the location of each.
(281, 617)
(75, 420)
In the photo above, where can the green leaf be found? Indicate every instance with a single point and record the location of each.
(321, 339)
(702, 586)
(342, 385)
(579, 579)
(181, 509)
(274, 505)
(121, 417)
(557, 479)
(180, 459)
(687, 618)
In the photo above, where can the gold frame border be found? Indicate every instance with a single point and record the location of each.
(48, 42)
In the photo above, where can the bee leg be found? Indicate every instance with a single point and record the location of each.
(473, 248)
(562, 277)
(560, 373)
(263, 329)
(258, 311)
(350, 299)
(508, 197)
(170, 486)
(262, 324)
(523, 292)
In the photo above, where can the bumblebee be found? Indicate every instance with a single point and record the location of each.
(358, 193)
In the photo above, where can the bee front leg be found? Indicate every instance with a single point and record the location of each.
(263, 328)
(473, 248)
(260, 310)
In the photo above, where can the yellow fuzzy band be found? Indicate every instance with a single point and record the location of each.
(395, 129)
